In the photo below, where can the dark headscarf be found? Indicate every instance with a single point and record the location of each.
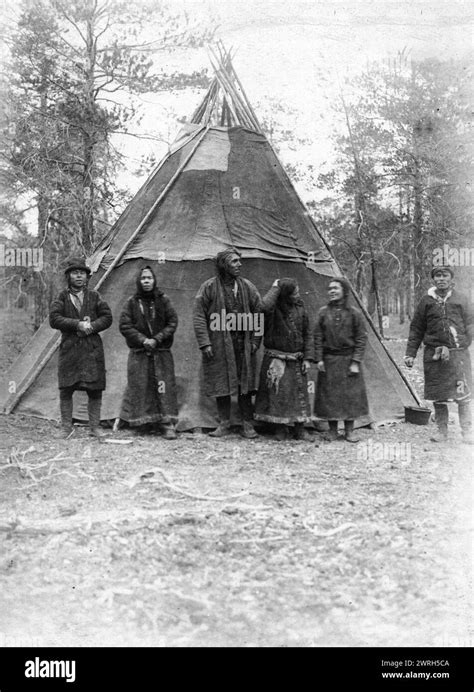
(287, 288)
(140, 293)
(222, 260)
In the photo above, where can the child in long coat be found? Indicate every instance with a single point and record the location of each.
(80, 314)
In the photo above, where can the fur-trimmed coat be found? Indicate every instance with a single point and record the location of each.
(441, 323)
(448, 323)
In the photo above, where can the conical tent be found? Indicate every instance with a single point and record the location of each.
(221, 185)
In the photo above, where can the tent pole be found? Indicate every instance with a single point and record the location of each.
(226, 85)
(370, 321)
(239, 104)
(29, 379)
(202, 106)
(225, 91)
(247, 102)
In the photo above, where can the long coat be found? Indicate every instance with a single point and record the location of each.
(448, 323)
(339, 338)
(150, 396)
(220, 373)
(283, 389)
(81, 358)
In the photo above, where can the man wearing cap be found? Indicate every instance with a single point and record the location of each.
(444, 322)
(227, 342)
(80, 314)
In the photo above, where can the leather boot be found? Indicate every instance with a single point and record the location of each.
(441, 420)
(349, 431)
(168, 431)
(65, 408)
(223, 411)
(93, 409)
(248, 431)
(246, 411)
(222, 429)
(332, 434)
(465, 421)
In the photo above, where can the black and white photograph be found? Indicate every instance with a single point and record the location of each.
(236, 316)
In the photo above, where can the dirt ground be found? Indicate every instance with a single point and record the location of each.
(202, 542)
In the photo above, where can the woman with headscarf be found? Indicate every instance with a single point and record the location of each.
(282, 396)
(339, 344)
(148, 322)
(80, 314)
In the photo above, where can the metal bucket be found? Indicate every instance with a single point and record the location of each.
(417, 415)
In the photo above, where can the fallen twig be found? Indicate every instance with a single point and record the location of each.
(167, 483)
(176, 489)
(47, 478)
(190, 599)
(331, 532)
(58, 457)
(257, 540)
(250, 508)
(87, 475)
(8, 466)
(101, 520)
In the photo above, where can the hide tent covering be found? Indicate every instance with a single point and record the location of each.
(220, 185)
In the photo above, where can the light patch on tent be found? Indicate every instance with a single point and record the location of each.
(95, 260)
(183, 136)
(212, 153)
(325, 268)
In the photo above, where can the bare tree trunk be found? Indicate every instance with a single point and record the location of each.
(361, 209)
(41, 302)
(418, 234)
(358, 245)
(410, 295)
(375, 288)
(88, 191)
(401, 299)
(87, 216)
(402, 243)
